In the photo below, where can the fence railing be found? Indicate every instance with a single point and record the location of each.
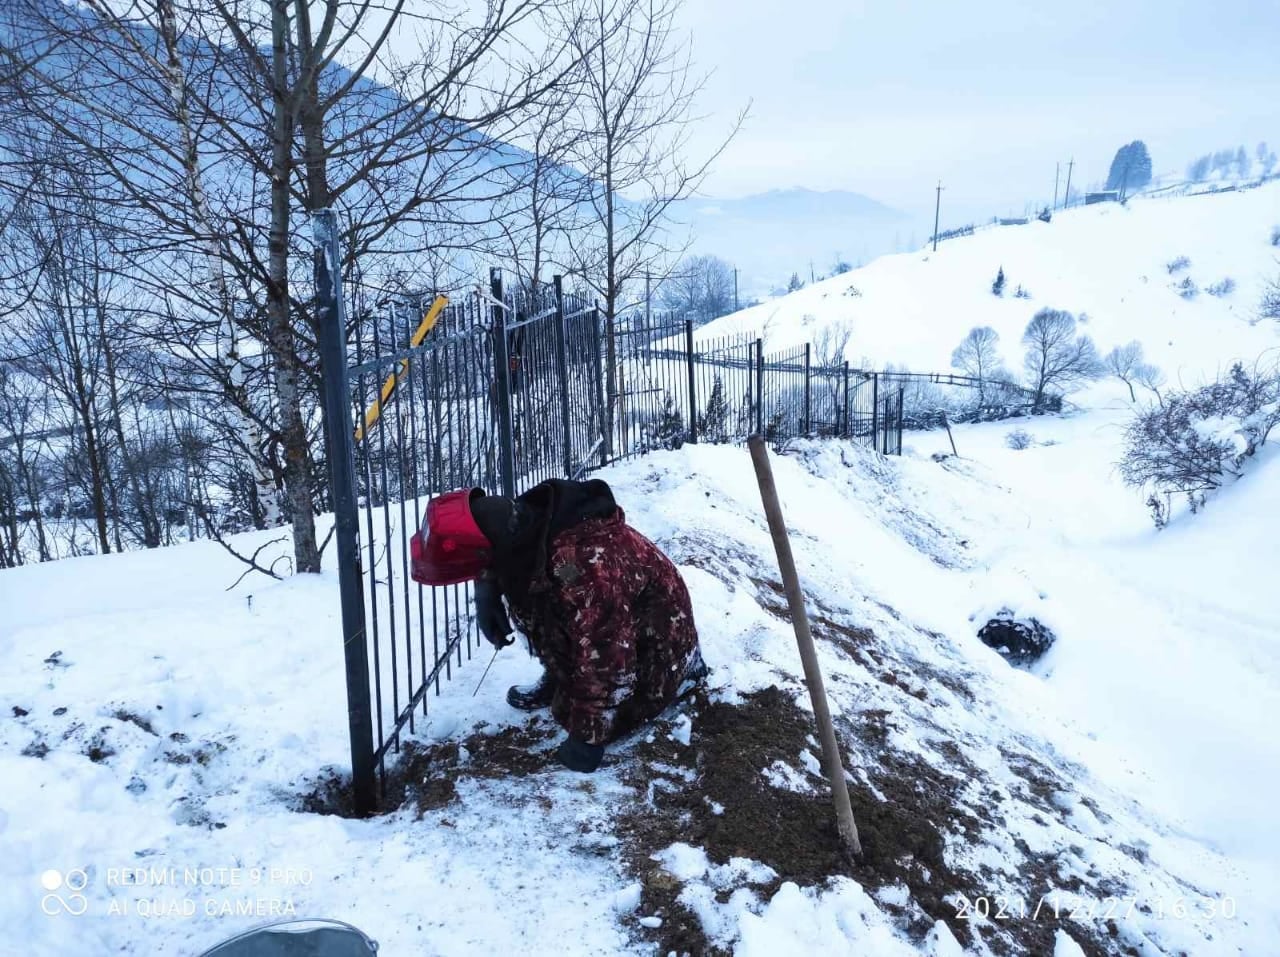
(503, 393)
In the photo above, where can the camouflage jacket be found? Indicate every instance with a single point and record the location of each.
(604, 609)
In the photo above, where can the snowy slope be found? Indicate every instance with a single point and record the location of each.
(1129, 773)
(1107, 261)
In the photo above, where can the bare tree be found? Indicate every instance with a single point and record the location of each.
(700, 288)
(1056, 357)
(254, 100)
(634, 121)
(978, 356)
(546, 192)
(1150, 377)
(831, 344)
(1126, 364)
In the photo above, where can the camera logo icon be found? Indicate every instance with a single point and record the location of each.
(64, 895)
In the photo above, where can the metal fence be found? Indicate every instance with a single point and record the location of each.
(503, 392)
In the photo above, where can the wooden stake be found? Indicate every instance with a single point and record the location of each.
(953, 441)
(845, 825)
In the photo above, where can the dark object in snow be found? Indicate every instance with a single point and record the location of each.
(1019, 642)
(20, 712)
(299, 938)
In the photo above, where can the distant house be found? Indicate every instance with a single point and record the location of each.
(1021, 221)
(1105, 196)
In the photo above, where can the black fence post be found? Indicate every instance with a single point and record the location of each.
(502, 388)
(808, 411)
(601, 407)
(331, 325)
(875, 410)
(759, 387)
(562, 367)
(844, 425)
(693, 399)
(901, 406)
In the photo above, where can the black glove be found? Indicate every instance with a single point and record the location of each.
(491, 616)
(579, 756)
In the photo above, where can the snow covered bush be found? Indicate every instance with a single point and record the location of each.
(1275, 235)
(997, 286)
(1269, 307)
(1021, 293)
(1193, 441)
(1224, 288)
(1187, 289)
(1177, 265)
(667, 430)
(713, 424)
(1019, 439)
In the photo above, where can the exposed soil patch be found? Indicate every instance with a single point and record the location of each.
(792, 832)
(424, 776)
(135, 719)
(732, 809)
(98, 749)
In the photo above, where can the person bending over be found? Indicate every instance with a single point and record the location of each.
(605, 611)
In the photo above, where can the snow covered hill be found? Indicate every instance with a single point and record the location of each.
(182, 743)
(1107, 261)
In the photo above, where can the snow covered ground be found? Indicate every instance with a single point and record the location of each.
(165, 742)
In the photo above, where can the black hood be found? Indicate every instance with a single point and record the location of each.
(539, 515)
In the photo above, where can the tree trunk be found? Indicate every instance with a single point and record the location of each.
(284, 354)
(264, 487)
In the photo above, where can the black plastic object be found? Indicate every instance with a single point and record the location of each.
(1020, 642)
(298, 938)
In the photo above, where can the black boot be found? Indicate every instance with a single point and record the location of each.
(695, 674)
(535, 696)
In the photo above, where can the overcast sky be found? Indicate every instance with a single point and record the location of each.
(884, 97)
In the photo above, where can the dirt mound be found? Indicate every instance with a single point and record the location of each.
(737, 806)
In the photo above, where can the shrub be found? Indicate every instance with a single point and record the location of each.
(1021, 293)
(713, 424)
(1177, 265)
(1275, 235)
(1192, 441)
(1269, 307)
(1187, 289)
(1223, 288)
(667, 430)
(1019, 439)
(997, 287)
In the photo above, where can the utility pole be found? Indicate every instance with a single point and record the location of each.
(1057, 171)
(937, 209)
(811, 279)
(1066, 196)
(648, 322)
(735, 288)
